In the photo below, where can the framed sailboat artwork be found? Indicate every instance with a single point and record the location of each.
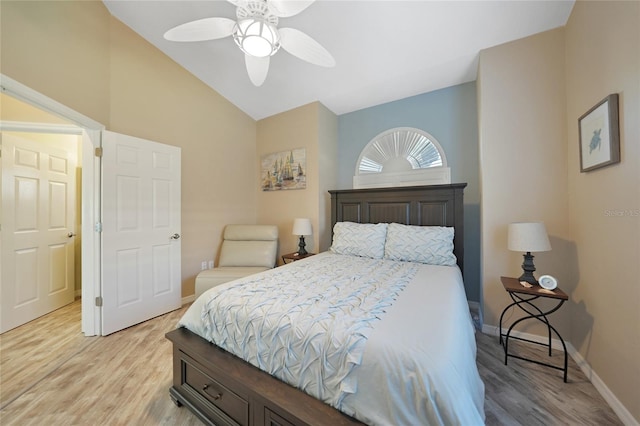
(284, 170)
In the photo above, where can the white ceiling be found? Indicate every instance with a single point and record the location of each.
(385, 50)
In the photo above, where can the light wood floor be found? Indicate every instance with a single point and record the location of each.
(50, 374)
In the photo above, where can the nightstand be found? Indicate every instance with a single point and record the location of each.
(292, 257)
(524, 298)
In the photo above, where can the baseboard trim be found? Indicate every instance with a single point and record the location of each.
(555, 343)
(188, 299)
(615, 404)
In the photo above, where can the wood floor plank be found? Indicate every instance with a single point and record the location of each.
(524, 393)
(124, 378)
(46, 342)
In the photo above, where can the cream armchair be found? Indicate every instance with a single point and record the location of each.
(246, 250)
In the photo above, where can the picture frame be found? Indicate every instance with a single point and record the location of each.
(285, 170)
(599, 135)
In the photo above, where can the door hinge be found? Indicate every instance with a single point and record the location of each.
(98, 227)
(98, 301)
(99, 151)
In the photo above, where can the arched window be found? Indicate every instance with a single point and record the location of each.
(400, 157)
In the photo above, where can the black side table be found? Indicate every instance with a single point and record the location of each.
(522, 298)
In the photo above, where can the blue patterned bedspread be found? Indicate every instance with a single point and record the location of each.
(307, 323)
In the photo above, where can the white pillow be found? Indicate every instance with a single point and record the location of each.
(359, 239)
(432, 245)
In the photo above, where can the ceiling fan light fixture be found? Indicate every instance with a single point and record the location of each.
(256, 37)
(256, 33)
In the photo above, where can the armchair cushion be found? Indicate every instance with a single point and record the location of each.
(213, 277)
(246, 250)
(249, 245)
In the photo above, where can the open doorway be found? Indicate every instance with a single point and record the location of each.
(46, 110)
(34, 349)
(41, 205)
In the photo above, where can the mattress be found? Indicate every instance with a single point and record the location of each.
(417, 365)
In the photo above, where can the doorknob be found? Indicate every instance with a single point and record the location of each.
(71, 234)
(175, 236)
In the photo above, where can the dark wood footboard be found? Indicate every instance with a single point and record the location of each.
(222, 389)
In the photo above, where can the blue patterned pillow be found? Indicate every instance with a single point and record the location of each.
(432, 245)
(359, 239)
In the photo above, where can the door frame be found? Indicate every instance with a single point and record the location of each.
(91, 196)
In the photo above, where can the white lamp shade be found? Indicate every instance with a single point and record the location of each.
(302, 226)
(528, 237)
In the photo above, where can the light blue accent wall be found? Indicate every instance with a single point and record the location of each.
(451, 116)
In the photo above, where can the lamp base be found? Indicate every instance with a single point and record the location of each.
(528, 268)
(301, 246)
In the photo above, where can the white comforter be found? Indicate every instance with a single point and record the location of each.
(418, 364)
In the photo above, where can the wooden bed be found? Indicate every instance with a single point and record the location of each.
(221, 389)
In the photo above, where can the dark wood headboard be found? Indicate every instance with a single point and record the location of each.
(432, 205)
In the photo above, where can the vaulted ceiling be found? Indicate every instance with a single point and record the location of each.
(384, 50)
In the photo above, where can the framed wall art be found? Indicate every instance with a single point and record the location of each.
(599, 135)
(284, 170)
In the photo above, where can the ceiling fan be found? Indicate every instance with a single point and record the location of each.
(257, 34)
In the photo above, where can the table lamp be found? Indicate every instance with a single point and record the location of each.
(302, 227)
(528, 237)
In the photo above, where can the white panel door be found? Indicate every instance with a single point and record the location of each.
(141, 276)
(38, 225)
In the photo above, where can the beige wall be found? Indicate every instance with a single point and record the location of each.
(327, 172)
(603, 57)
(80, 56)
(314, 128)
(154, 98)
(531, 93)
(523, 157)
(13, 109)
(60, 49)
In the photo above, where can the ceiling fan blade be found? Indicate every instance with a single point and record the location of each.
(257, 68)
(304, 47)
(287, 8)
(202, 29)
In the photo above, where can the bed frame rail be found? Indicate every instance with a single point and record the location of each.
(222, 389)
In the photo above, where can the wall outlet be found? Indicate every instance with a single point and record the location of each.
(211, 264)
(203, 265)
